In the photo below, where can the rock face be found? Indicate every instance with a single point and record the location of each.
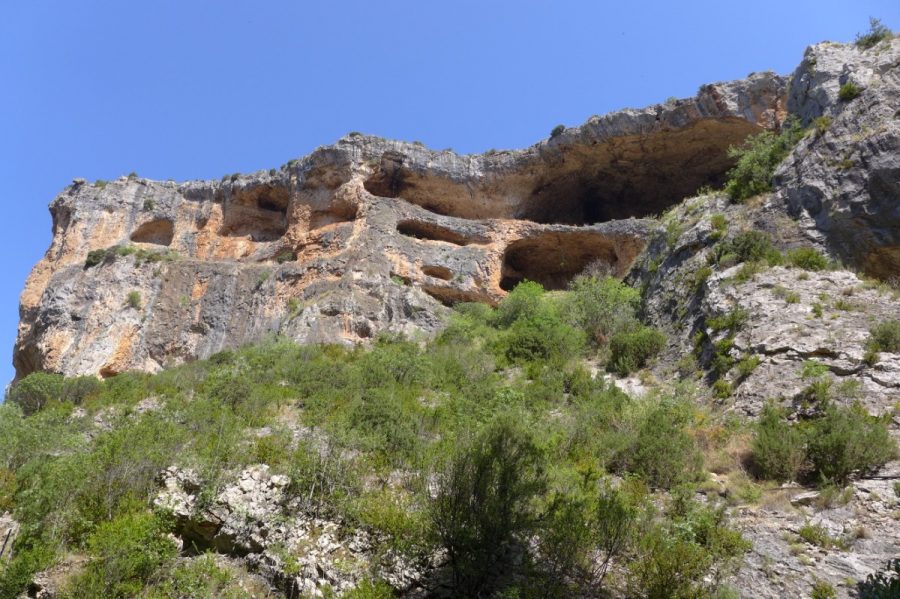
(363, 237)
(843, 184)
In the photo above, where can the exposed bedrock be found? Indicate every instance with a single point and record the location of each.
(843, 184)
(365, 236)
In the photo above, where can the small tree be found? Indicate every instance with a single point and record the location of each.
(481, 505)
(778, 449)
(602, 307)
(876, 33)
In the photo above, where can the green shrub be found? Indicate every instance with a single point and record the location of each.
(482, 501)
(94, 258)
(286, 256)
(524, 301)
(885, 336)
(686, 554)
(557, 131)
(722, 389)
(849, 91)
(197, 578)
(882, 585)
(732, 321)
(823, 590)
(821, 124)
(807, 258)
(631, 350)
(125, 553)
(876, 33)
(848, 440)
(582, 533)
(779, 449)
(36, 390)
(369, 589)
(749, 246)
(133, 300)
(663, 452)
(818, 536)
(758, 158)
(18, 572)
(601, 307)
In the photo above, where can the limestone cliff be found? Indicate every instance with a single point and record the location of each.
(363, 237)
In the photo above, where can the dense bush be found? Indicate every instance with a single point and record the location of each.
(882, 585)
(848, 440)
(483, 501)
(663, 452)
(757, 159)
(632, 349)
(876, 33)
(601, 307)
(39, 389)
(885, 336)
(807, 258)
(839, 443)
(849, 91)
(749, 246)
(778, 449)
(125, 553)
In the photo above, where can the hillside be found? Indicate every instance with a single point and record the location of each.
(655, 355)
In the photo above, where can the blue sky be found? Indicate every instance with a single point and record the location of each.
(188, 89)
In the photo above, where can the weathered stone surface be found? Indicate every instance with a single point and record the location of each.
(253, 518)
(783, 331)
(365, 236)
(844, 184)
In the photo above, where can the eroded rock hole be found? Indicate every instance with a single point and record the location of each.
(438, 272)
(337, 213)
(387, 181)
(434, 232)
(159, 232)
(554, 259)
(259, 212)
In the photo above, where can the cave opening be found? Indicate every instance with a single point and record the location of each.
(553, 259)
(259, 212)
(158, 232)
(434, 232)
(631, 176)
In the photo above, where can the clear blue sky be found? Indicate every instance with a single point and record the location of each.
(189, 89)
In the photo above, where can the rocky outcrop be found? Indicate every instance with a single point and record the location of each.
(256, 519)
(364, 237)
(843, 183)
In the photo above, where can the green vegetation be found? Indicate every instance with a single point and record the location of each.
(632, 349)
(519, 464)
(807, 258)
(749, 246)
(141, 255)
(885, 336)
(133, 300)
(849, 91)
(506, 470)
(557, 131)
(827, 449)
(823, 590)
(876, 33)
(286, 256)
(821, 125)
(882, 585)
(758, 158)
(124, 553)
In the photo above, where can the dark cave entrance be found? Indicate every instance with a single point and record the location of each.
(553, 259)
